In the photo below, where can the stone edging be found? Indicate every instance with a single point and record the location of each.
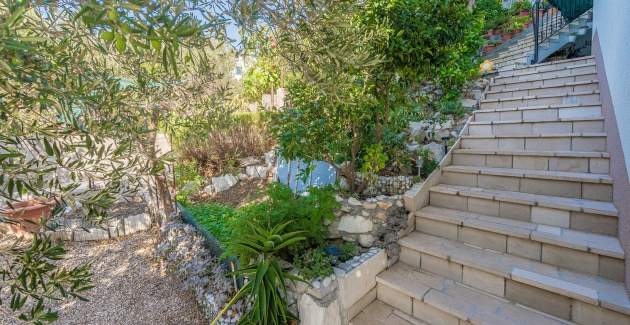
(112, 229)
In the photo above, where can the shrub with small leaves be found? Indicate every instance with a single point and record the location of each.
(314, 263)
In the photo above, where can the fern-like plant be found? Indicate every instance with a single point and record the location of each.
(265, 290)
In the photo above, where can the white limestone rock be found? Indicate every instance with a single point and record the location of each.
(437, 150)
(257, 171)
(222, 183)
(314, 312)
(355, 224)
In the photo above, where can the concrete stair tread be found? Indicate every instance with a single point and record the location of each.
(578, 240)
(566, 119)
(566, 84)
(521, 71)
(531, 173)
(459, 300)
(521, 108)
(591, 289)
(546, 135)
(498, 81)
(545, 64)
(566, 94)
(380, 313)
(547, 201)
(574, 154)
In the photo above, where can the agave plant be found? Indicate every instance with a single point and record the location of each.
(265, 289)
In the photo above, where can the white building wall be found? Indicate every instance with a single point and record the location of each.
(611, 20)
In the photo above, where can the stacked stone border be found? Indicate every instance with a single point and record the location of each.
(112, 229)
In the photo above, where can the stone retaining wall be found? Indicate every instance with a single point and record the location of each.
(387, 185)
(377, 221)
(182, 252)
(78, 230)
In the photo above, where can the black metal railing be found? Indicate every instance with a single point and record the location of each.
(551, 16)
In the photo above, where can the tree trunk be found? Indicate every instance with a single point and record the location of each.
(163, 199)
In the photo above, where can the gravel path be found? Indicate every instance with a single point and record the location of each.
(130, 288)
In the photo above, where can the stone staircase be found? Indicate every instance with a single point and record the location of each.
(520, 227)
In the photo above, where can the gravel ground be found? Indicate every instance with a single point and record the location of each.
(129, 287)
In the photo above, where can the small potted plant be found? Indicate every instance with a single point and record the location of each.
(28, 213)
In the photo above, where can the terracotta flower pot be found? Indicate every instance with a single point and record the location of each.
(506, 37)
(488, 48)
(28, 214)
(524, 13)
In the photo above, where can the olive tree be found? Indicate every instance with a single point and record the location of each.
(84, 89)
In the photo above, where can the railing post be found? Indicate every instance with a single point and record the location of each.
(535, 8)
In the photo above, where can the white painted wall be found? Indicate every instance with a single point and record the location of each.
(611, 20)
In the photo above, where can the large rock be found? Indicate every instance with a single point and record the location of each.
(416, 128)
(209, 189)
(313, 312)
(355, 224)
(270, 158)
(90, 234)
(437, 150)
(257, 171)
(412, 147)
(222, 183)
(138, 222)
(248, 161)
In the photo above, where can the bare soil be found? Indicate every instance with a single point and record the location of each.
(130, 287)
(244, 192)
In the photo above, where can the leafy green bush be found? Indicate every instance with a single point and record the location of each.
(187, 178)
(215, 218)
(519, 6)
(314, 263)
(428, 163)
(493, 12)
(348, 251)
(374, 161)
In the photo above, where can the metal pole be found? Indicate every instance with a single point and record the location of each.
(535, 8)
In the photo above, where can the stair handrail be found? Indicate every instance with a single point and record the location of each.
(551, 16)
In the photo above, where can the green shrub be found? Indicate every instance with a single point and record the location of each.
(187, 178)
(428, 163)
(314, 263)
(374, 161)
(493, 12)
(348, 251)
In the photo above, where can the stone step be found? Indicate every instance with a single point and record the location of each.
(553, 80)
(440, 301)
(550, 66)
(526, 239)
(586, 186)
(578, 214)
(583, 297)
(568, 87)
(536, 126)
(539, 142)
(572, 70)
(578, 97)
(540, 113)
(565, 161)
(380, 313)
